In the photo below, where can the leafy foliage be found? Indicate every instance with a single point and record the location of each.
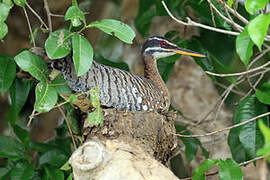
(245, 140)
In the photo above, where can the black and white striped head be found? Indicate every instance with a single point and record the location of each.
(160, 47)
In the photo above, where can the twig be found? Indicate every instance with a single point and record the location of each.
(241, 164)
(212, 14)
(240, 73)
(223, 100)
(36, 14)
(258, 57)
(70, 130)
(233, 90)
(29, 26)
(234, 12)
(238, 27)
(193, 23)
(224, 129)
(256, 83)
(31, 117)
(57, 15)
(46, 6)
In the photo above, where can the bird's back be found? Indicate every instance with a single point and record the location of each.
(117, 88)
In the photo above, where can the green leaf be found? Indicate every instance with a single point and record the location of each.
(54, 158)
(22, 134)
(72, 118)
(96, 117)
(191, 147)
(254, 6)
(3, 30)
(143, 22)
(4, 10)
(244, 46)
(199, 172)
(9, 3)
(66, 166)
(11, 148)
(4, 173)
(60, 85)
(7, 72)
(223, 69)
(33, 64)
(75, 15)
(116, 28)
(46, 97)
(248, 135)
(57, 45)
(18, 93)
(22, 171)
(228, 169)
(165, 68)
(191, 144)
(265, 151)
(265, 130)
(20, 2)
(82, 54)
(55, 174)
(70, 176)
(263, 93)
(230, 3)
(257, 29)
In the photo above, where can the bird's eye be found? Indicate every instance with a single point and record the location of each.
(163, 43)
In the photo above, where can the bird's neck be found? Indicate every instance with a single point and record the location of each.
(151, 73)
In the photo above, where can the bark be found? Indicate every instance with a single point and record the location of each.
(129, 145)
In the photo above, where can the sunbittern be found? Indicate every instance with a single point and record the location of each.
(123, 90)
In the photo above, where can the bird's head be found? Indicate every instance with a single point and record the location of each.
(160, 47)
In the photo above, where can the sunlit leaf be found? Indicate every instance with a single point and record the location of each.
(33, 64)
(199, 172)
(228, 169)
(96, 117)
(20, 2)
(4, 10)
(57, 45)
(257, 29)
(230, 3)
(46, 97)
(3, 30)
(254, 6)
(116, 28)
(265, 131)
(60, 84)
(75, 15)
(82, 54)
(263, 93)
(244, 47)
(7, 72)
(9, 3)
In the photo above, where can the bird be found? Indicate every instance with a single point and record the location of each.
(121, 89)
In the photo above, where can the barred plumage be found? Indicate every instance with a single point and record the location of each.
(123, 90)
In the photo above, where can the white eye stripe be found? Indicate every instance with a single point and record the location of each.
(156, 49)
(160, 39)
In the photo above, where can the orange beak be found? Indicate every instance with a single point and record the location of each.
(188, 52)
